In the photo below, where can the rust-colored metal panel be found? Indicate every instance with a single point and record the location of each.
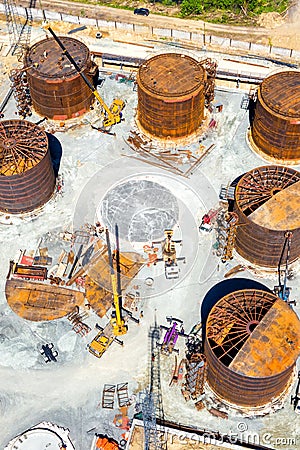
(171, 95)
(251, 344)
(56, 89)
(98, 281)
(267, 207)
(27, 178)
(276, 126)
(41, 301)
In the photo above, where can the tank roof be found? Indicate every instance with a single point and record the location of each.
(254, 333)
(281, 93)
(46, 59)
(282, 211)
(171, 75)
(270, 197)
(273, 345)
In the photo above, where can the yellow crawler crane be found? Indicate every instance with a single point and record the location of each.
(113, 114)
(117, 320)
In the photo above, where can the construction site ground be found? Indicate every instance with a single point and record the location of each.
(94, 166)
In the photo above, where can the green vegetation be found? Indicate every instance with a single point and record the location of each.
(227, 8)
(239, 12)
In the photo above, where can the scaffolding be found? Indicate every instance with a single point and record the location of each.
(151, 399)
(226, 231)
(18, 30)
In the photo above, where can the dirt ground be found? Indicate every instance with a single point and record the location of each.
(275, 29)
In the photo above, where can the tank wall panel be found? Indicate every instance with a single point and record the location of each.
(276, 125)
(274, 134)
(242, 390)
(260, 245)
(176, 118)
(61, 98)
(29, 190)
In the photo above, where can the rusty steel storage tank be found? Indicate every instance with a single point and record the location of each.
(57, 90)
(267, 203)
(252, 343)
(27, 178)
(275, 129)
(171, 95)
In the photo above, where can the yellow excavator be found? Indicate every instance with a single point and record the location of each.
(113, 114)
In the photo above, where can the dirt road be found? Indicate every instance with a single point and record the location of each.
(278, 31)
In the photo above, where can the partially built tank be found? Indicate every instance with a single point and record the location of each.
(275, 130)
(267, 204)
(252, 343)
(27, 178)
(171, 95)
(57, 90)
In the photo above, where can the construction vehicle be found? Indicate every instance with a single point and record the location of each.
(48, 353)
(282, 291)
(113, 113)
(116, 326)
(102, 340)
(117, 320)
(209, 219)
(169, 255)
(171, 336)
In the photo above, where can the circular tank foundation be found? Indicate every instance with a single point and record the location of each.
(267, 202)
(275, 129)
(251, 345)
(57, 90)
(171, 95)
(27, 178)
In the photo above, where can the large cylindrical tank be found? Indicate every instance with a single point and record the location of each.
(267, 202)
(275, 129)
(27, 178)
(251, 345)
(171, 95)
(57, 90)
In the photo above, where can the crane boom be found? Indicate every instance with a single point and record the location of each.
(117, 321)
(113, 113)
